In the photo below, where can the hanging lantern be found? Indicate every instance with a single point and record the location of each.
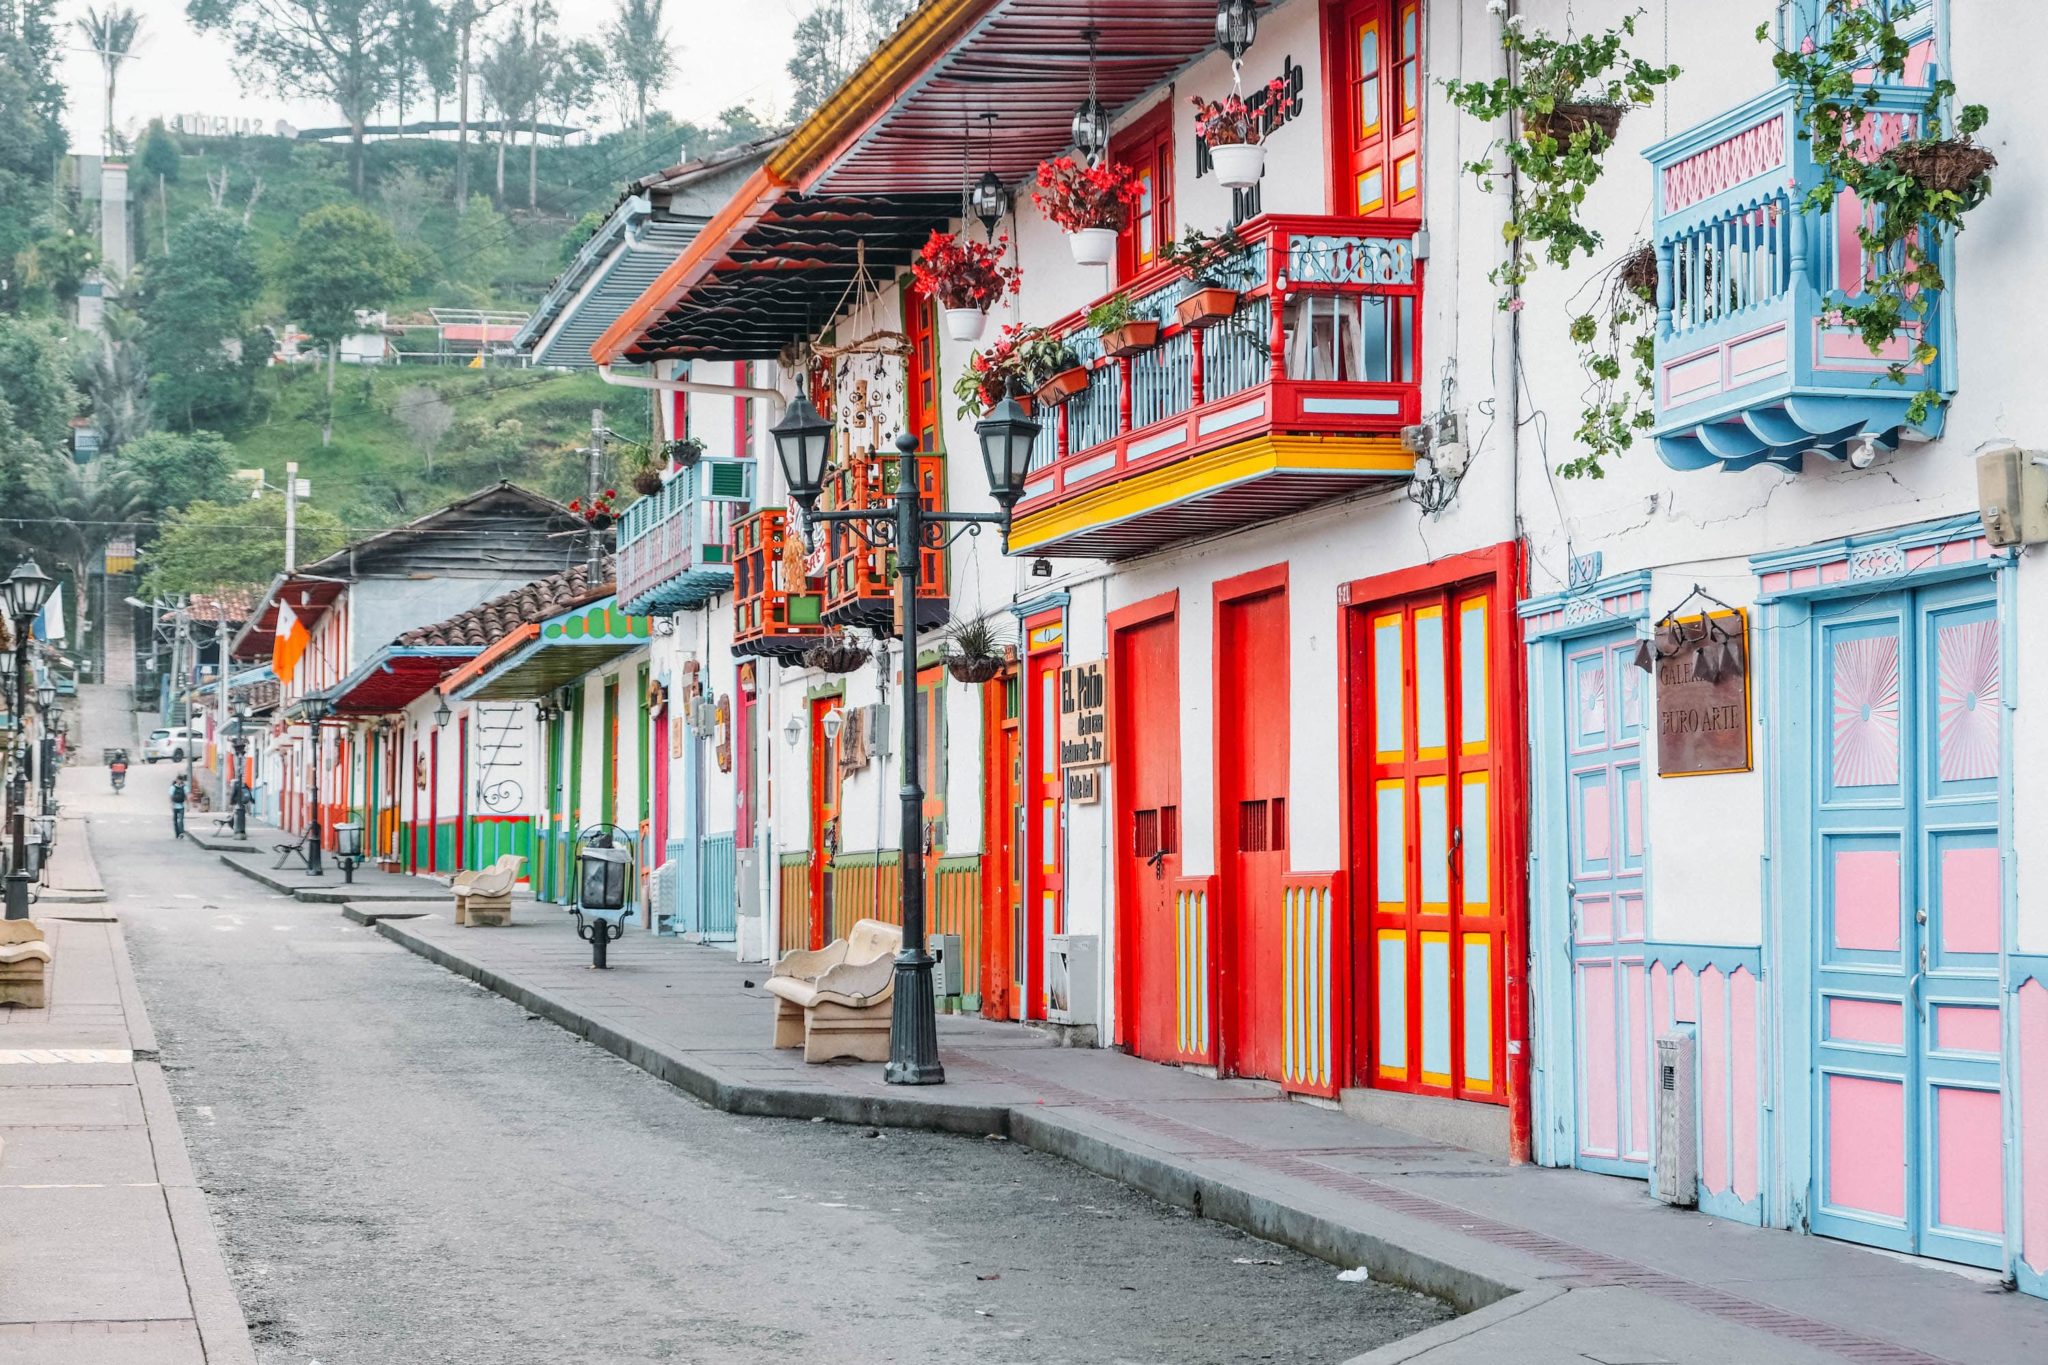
(1646, 656)
(348, 840)
(1237, 25)
(990, 201)
(1008, 436)
(803, 440)
(1091, 118)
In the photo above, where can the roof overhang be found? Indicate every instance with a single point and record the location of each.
(396, 677)
(615, 267)
(309, 596)
(558, 651)
(882, 159)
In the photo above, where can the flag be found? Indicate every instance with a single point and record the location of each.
(288, 644)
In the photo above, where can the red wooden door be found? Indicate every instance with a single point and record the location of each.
(1433, 876)
(462, 794)
(1003, 868)
(1252, 727)
(434, 802)
(1145, 669)
(1045, 827)
(658, 760)
(824, 820)
(1375, 76)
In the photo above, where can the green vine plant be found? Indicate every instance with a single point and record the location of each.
(1566, 97)
(1914, 193)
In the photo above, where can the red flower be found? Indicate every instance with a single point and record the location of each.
(963, 273)
(1076, 197)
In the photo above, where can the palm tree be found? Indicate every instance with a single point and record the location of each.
(112, 34)
(116, 379)
(79, 509)
(641, 52)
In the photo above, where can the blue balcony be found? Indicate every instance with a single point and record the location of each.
(1752, 365)
(675, 546)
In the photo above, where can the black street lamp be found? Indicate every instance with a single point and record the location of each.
(24, 593)
(238, 790)
(803, 439)
(316, 710)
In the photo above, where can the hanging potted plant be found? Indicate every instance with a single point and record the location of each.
(1051, 368)
(974, 654)
(1236, 132)
(966, 277)
(686, 452)
(1090, 203)
(1123, 332)
(836, 653)
(600, 512)
(647, 481)
(1209, 258)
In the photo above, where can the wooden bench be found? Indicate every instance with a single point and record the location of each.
(836, 1001)
(24, 964)
(299, 849)
(484, 896)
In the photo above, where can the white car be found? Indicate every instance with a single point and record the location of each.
(172, 743)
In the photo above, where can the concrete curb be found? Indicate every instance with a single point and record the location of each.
(1403, 1260)
(339, 892)
(220, 843)
(141, 1033)
(372, 914)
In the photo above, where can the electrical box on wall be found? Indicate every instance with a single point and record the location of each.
(2012, 494)
(1070, 978)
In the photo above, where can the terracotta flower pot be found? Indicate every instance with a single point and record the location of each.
(1239, 165)
(1092, 246)
(1206, 307)
(1133, 338)
(1062, 386)
(965, 324)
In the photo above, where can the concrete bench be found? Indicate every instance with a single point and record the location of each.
(835, 1001)
(484, 896)
(24, 964)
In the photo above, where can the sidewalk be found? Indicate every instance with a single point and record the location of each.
(255, 857)
(1552, 1266)
(70, 877)
(107, 1255)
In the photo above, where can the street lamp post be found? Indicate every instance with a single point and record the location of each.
(803, 441)
(238, 796)
(316, 711)
(25, 591)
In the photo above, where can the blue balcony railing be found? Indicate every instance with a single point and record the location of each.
(1752, 362)
(675, 545)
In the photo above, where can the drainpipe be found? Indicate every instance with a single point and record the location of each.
(1520, 1031)
(639, 381)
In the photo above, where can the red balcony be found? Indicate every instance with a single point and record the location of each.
(1297, 398)
(860, 578)
(778, 613)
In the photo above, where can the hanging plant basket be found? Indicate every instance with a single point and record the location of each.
(1567, 117)
(974, 670)
(1207, 306)
(1239, 165)
(1133, 338)
(600, 521)
(1092, 246)
(965, 324)
(1951, 166)
(1062, 386)
(647, 482)
(1639, 273)
(836, 656)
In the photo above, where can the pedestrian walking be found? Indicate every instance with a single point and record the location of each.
(178, 806)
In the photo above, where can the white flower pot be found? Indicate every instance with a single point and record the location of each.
(1239, 165)
(1092, 246)
(965, 324)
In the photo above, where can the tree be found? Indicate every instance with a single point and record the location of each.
(486, 244)
(31, 128)
(547, 63)
(111, 34)
(35, 381)
(642, 57)
(578, 77)
(340, 50)
(209, 546)
(407, 197)
(78, 508)
(342, 259)
(514, 76)
(831, 40)
(463, 17)
(116, 379)
(426, 416)
(176, 469)
(423, 52)
(159, 153)
(196, 301)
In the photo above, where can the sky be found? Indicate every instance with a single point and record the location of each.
(730, 52)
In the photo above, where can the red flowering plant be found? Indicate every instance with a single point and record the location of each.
(962, 273)
(1077, 196)
(1230, 121)
(601, 511)
(1019, 361)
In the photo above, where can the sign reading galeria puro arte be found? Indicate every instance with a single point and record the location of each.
(1702, 722)
(1084, 730)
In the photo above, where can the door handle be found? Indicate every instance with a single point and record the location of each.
(1158, 862)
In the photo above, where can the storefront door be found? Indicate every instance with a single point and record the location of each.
(1145, 726)
(1909, 896)
(1251, 760)
(824, 819)
(1605, 698)
(1046, 889)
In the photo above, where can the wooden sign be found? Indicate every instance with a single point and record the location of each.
(1702, 723)
(1084, 716)
(1084, 786)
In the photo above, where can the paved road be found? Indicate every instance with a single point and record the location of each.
(410, 1170)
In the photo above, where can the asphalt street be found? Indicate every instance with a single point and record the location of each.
(406, 1169)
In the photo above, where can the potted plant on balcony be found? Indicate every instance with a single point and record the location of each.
(1208, 258)
(993, 373)
(647, 481)
(1123, 332)
(600, 512)
(974, 652)
(1236, 132)
(1048, 364)
(686, 452)
(1912, 195)
(836, 653)
(966, 277)
(1091, 203)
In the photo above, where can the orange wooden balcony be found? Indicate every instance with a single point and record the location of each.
(1296, 398)
(860, 578)
(772, 618)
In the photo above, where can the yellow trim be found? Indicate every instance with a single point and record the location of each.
(1208, 472)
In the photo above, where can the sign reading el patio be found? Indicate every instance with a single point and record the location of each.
(1703, 695)
(1084, 716)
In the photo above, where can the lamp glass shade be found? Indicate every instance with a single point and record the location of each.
(442, 715)
(46, 695)
(990, 200)
(348, 840)
(601, 878)
(28, 587)
(803, 441)
(1008, 435)
(1091, 126)
(7, 666)
(1237, 25)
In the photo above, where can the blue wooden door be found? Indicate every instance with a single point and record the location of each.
(1908, 1149)
(1604, 695)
